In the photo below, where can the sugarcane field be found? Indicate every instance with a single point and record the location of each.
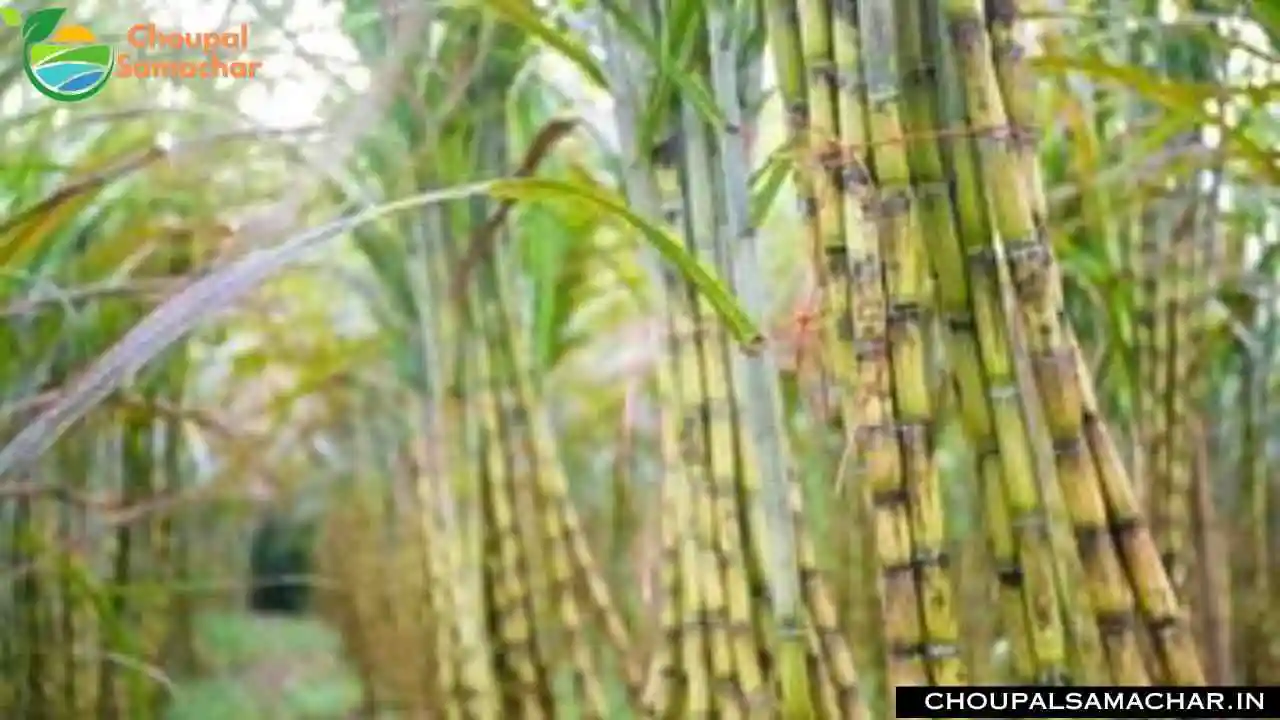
(622, 359)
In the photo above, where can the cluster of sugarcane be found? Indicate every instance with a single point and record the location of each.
(514, 598)
(748, 628)
(538, 569)
(914, 139)
(475, 594)
(1174, 289)
(1183, 260)
(874, 178)
(365, 573)
(1176, 271)
(86, 585)
(951, 184)
(723, 649)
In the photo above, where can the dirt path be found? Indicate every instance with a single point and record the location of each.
(262, 667)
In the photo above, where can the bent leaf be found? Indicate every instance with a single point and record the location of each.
(1186, 100)
(202, 300)
(715, 291)
(522, 14)
(692, 85)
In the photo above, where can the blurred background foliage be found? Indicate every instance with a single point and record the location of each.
(351, 390)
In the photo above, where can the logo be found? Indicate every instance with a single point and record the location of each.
(69, 64)
(64, 63)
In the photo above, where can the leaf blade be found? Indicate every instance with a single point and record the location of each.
(697, 273)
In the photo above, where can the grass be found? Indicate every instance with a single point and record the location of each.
(261, 667)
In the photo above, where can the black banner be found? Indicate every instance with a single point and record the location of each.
(1088, 702)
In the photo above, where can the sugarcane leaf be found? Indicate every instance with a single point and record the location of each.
(1186, 100)
(766, 185)
(204, 299)
(547, 263)
(41, 24)
(661, 239)
(1180, 96)
(523, 14)
(694, 87)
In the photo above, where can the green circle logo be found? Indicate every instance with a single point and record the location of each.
(66, 63)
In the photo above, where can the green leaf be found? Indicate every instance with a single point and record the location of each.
(208, 297)
(41, 24)
(522, 14)
(766, 185)
(10, 17)
(712, 288)
(669, 67)
(1182, 99)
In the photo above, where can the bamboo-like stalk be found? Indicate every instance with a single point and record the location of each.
(519, 670)
(432, 465)
(886, 284)
(803, 40)
(906, 281)
(835, 681)
(721, 662)
(572, 569)
(994, 78)
(712, 442)
(1099, 609)
(1185, 277)
(671, 679)
(761, 456)
(1110, 598)
(1171, 463)
(1169, 241)
(1213, 604)
(465, 677)
(977, 348)
(677, 683)
(784, 26)
(531, 456)
(1142, 261)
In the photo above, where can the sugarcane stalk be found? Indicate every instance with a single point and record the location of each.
(572, 567)
(764, 443)
(702, 571)
(998, 110)
(1145, 242)
(784, 26)
(677, 684)
(532, 458)
(1188, 279)
(713, 436)
(1109, 598)
(906, 282)
(464, 677)
(835, 682)
(803, 47)
(720, 662)
(1171, 476)
(976, 351)
(1026, 510)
